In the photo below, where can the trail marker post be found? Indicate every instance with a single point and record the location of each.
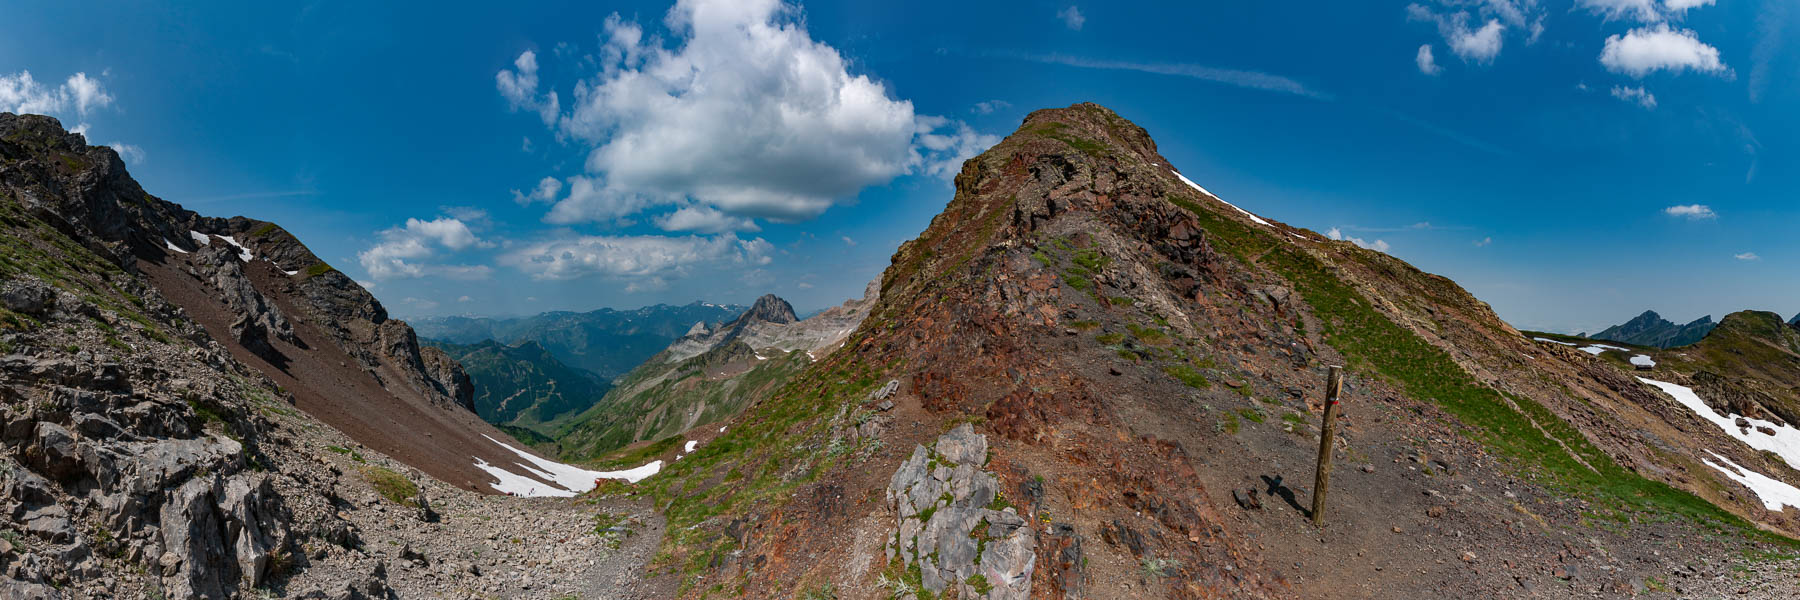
(1334, 384)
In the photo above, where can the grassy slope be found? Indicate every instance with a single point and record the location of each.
(1516, 427)
(549, 389)
(654, 400)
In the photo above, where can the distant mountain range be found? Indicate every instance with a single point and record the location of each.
(710, 375)
(524, 386)
(608, 342)
(1650, 329)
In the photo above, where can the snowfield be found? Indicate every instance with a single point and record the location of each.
(566, 480)
(1784, 443)
(1598, 349)
(172, 247)
(1773, 492)
(1543, 339)
(1643, 361)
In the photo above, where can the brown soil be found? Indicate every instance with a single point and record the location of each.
(375, 408)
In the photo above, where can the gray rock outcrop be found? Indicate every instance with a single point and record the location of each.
(955, 527)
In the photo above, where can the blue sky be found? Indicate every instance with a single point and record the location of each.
(1572, 163)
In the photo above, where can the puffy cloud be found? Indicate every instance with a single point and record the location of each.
(1427, 64)
(704, 219)
(1692, 212)
(1072, 17)
(403, 251)
(1646, 49)
(519, 87)
(1747, 256)
(1480, 45)
(643, 262)
(545, 192)
(1483, 242)
(1636, 95)
(1377, 245)
(747, 115)
(20, 93)
(590, 199)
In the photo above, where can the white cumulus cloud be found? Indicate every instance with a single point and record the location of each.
(1659, 47)
(1641, 10)
(1427, 63)
(1636, 95)
(1480, 45)
(704, 219)
(405, 251)
(20, 93)
(545, 192)
(1747, 256)
(1691, 212)
(746, 114)
(519, 87)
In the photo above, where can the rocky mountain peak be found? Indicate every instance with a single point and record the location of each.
(770, 308)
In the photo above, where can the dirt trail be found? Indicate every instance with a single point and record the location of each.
(622, 575)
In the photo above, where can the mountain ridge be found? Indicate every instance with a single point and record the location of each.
(1134, 351)
(1650, 329)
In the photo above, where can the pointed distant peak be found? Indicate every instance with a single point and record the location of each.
(1795, 320)
(771, 308)
(1650, 315)
(1702, 320)
(699, 328)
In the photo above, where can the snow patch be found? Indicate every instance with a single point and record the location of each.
(1774, 493)
(1190, 182)
(1784, 443)
(200, 238)
(1643, 361)
(1544, 339)
(721, 430)
(172, 247)
(566, 480)
(243, 254)
(689, 449)
(1597, 349)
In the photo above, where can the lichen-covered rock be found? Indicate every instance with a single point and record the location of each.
(952, 527)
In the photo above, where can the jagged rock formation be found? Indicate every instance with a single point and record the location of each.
(1650, 329)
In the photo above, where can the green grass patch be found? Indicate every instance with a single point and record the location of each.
(1084, 325)
(393, 486)
(317, 269)
(1544, 447)
(1188, 376)
(1148, 335)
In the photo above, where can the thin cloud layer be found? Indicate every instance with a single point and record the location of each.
(644, 262)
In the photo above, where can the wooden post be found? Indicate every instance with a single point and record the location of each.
(1334, 384)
